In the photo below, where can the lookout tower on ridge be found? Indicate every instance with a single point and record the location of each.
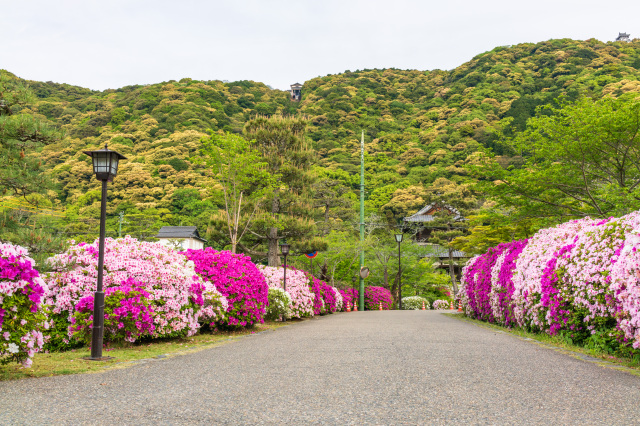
(296, 92)
(621, 37)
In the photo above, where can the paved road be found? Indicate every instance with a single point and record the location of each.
(411, 367)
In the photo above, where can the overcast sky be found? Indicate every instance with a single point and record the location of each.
(114, 43)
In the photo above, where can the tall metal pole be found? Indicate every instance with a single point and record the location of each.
(98, 299)
(399, 279)
(362, 219)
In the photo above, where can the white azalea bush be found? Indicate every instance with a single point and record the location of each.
(279, 303)
(414, 303)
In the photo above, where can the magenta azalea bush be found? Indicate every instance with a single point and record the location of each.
(374, 296)
(128, 314)
(325, 299)
(180, 300)
(238, 279)
(297, 286)
(580, 279)
(349, 297)
(21, 309)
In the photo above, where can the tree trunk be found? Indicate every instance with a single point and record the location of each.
(452, 272)
(272, 257)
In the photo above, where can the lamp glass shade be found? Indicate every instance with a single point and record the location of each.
(105, 163)
(399, 238)
(284, 247)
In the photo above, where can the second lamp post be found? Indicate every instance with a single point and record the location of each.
(284, 247)
(399, 240)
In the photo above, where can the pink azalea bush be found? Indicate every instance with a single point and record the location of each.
(22, 317)
(179, 298)
(374, 296)
(440, 304)
(339, 301)
(580, 278)
(238, 279)
(297, 286)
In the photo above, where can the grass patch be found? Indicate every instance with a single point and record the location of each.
(72, 362)
(559, 344)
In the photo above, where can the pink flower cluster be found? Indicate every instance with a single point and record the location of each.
(238, 279)
(21, 308)
(128, 314)
(325, 298)
(349, 297)
(178, 295)
(302, 300)
(375, 296)
(581, 276)
(440, 304)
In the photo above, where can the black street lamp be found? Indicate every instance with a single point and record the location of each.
(105, 167)
(399, 240)
(284, 247)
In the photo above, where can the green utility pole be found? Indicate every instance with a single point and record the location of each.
(120, 224)
(361, 302)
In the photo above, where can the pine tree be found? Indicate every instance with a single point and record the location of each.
(282, 143)
(23, 184)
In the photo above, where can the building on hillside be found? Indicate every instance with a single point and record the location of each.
(623, 37)
(296, 92)
(180, 237)
(438, 253)
(426, 215)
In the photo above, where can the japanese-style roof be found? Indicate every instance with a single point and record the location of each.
(623, 36)
(179, 232)
(296, 85)
(423, 214)
(435, 250)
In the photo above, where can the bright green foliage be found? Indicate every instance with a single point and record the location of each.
(579, 160)
(242, 175)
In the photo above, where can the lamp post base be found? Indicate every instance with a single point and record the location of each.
(102, 358)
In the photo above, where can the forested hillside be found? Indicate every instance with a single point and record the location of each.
(422, 129)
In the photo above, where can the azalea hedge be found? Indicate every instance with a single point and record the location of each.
(236, 278)
(179, 301)
(580, 279)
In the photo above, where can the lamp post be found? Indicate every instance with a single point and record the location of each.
(105, 167)
(284, 247)
(399, 240)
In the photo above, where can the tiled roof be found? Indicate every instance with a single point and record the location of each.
(422, 216)
(179, 232)
(435, 250)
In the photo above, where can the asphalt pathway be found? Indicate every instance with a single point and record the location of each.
(409, 367)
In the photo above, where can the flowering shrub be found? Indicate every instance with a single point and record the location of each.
(339, 301)
(414, 303)
(279, 303)
(21, 308)
(128, 314)
(236, 278)
(178, 296)
(349, 297)
(324, 300)
(441, 304)
(297, 287)
(580, 278)
(374, 296)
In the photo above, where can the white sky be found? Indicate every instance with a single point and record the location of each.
(113, 43)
